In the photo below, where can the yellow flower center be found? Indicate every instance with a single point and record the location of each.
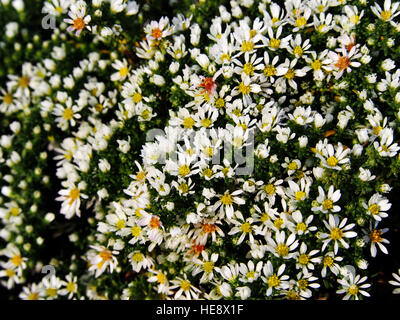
(374, 209)
(16, 260)
(206, 122)
(316, 65)
(273, 281)
(301, 227)
(299, 195)
(8, 99)
(161, 278)
(302, 283)
(304, 259)
(244, 89)
(208, 266)
(264, 217)
(33, 296)
(298, 50)
(226, 199)
(184, 170)
(269, 189)
(353, 289)
(137, 97)
(336, 234)
(278, 223)
(385, 15)
(71, 287)
(300, 22)
(269, 71)
(51, 292)
(220, 103)
(327, 261)
(327, 204)
(120, 224)
(73, 195)
(183, 187)
(135, 231)
(105, 255)
(68, 114)
(208, 172)
(14, 211)
(247, 46)
(24, 82)
(137, 257)
(10, 273)
(290, 74)
(275, 43)
(248, 69)
(188, 123)
(185, 285)
(292, 166)
(123, 72)
(332, 161)
(225, 56)
(246, 227)
(282, 250)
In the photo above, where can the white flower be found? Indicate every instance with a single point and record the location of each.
(376, 207)
(78, 19)
(327, 201)
(353, 285)
(71, 201)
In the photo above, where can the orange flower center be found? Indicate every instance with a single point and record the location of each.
(157, 33)
(79, 24)
(208, 228)
(343, 62)
(208, 84)
(154, 222)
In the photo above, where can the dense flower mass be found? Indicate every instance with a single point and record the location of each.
(233, 150)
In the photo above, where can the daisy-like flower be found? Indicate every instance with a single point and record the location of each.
(327, 202)
(102, 259)
(225, 203)
(338, 232)
(32, 292)
(377, 206)
(270, 190)
(71, 201)
(157, 30)
(205, 266)
(305, 282)
(160, 278)
(306, 261)
(70, 286)
(299, 225)
(245, 228)
(246, 87)
(299, 48)
(16, 261)
(353, 286)
(51, 287)
(186, 289)
(386, 147)
(139, 261)
(78, 19)
(281, 248)
(290, 75)
(67, 114)
(396, 282)
(343, 60)
(250, 272)
(330, 261)
(332, 158)
(274, 42)
(272, 69)
(320, 64)
(56, 7)
(374, 236)
(122, 71)
(276, 281)
(10, 275)
(389, 11)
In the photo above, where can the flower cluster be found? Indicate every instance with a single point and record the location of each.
(250, 156)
